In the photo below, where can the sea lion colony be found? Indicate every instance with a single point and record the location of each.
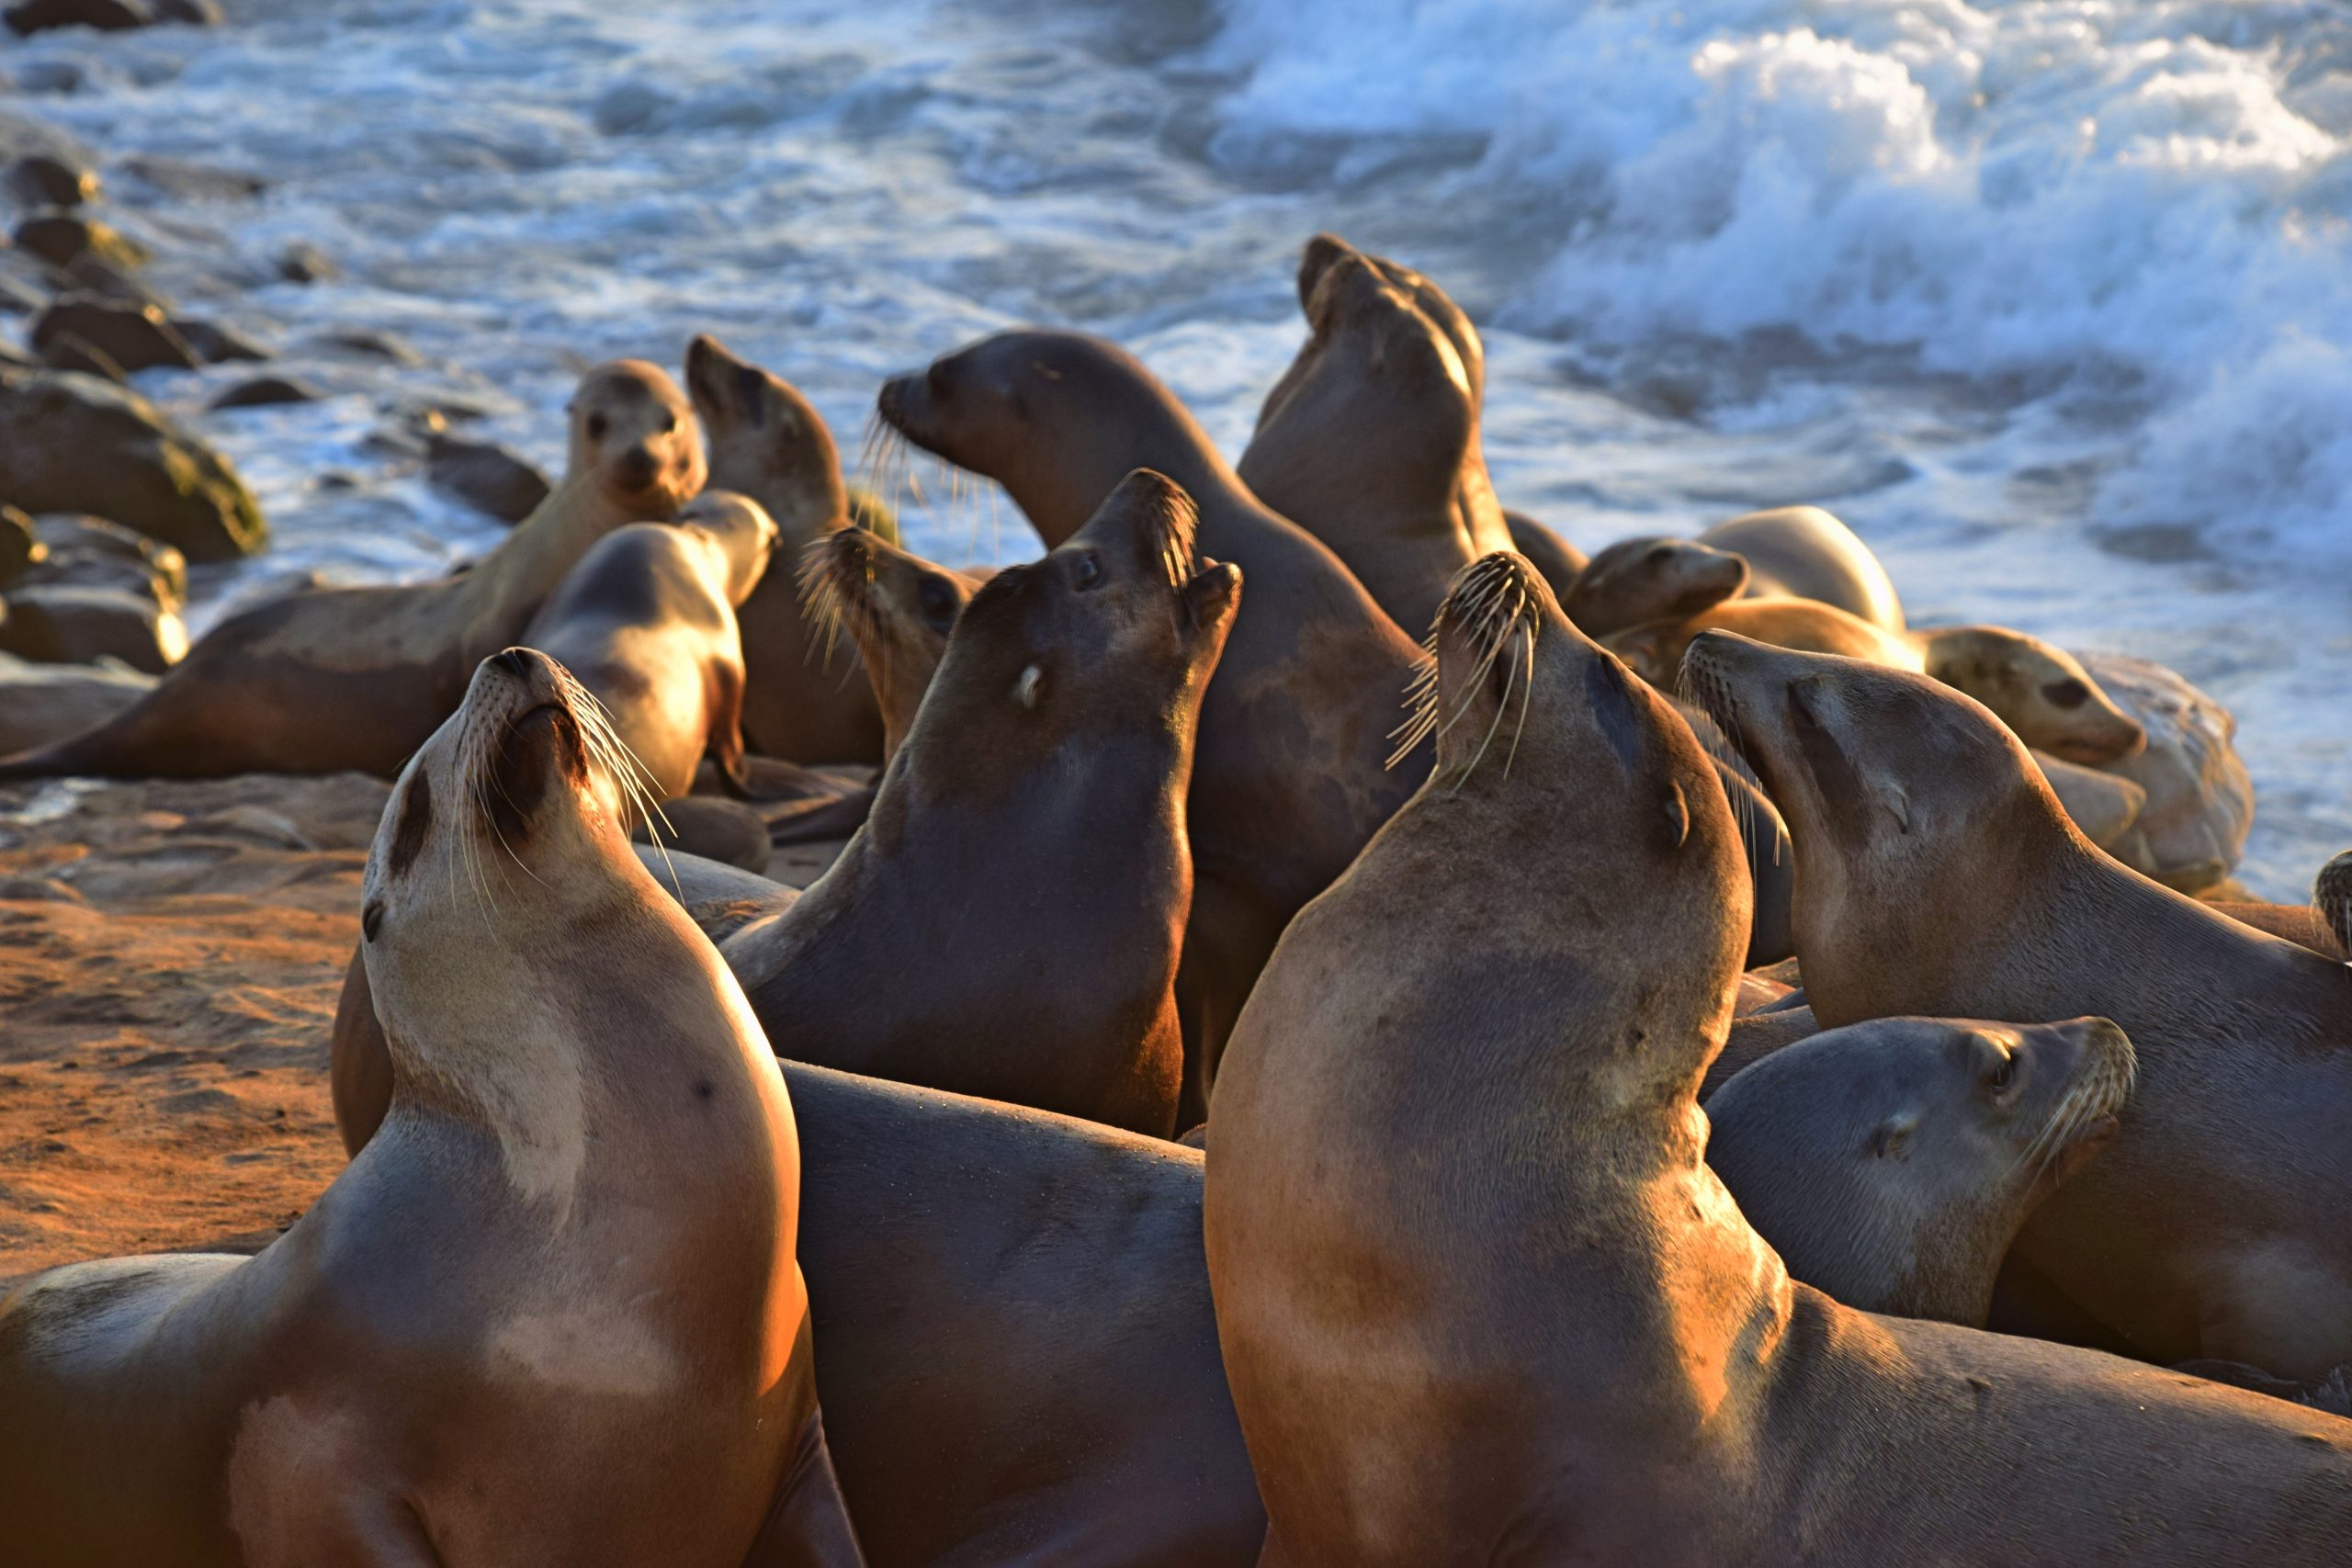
(2012, 1228)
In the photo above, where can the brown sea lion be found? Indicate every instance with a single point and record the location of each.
(1557, 560)
(1482, 1301)
(804, 700)
(647, 622)
(2305, 925)
(1891, 1162)
(1370, 440)
(554, 1296)
(897, 610)
(359, 678)
(2331, 897)
(1649, 582)
(1790, 552)
(1937, 874)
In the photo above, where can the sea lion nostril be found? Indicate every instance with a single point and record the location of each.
(515, 661)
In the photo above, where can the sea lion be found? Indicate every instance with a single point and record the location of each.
(1789, 552)
(1937, 874)
(897, 610)
(1648, 581)
(553, 1297)
(2331, 897)
(1890, 1164)
(2191, 834)
(1482, 1301)
(647, 622)
(2305, 925)
(1370, 439)
(357, 678)
(2041, 692)
(803, 699)
(1557, 560)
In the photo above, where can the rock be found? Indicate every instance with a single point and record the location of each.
(106, 15)
(306, 264)
(256, 822)
(58, 237)
(2192, 832)
(11, 360)
(74, 625)
(43, 180)
(193, 181)
(485, 476)
(72, 351)
(48, 76)
(188, 13)
(20, 548)
(264, 391)
(72, 443)
(41, 703)
(137, 337)
(373, 345)
(92, 273)
(217, 344)
(90, 552)
(19, 297)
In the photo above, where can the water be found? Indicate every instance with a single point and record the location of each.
(2052, 301)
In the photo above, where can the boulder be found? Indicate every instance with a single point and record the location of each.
(75, 625)
(193, 181)
(90, 552)
(58, 237)
(44, 703)
(305, 263)
(485, 476)
(217, 344)
(72, 351)
(42, 179)
(137, 337)
(2192, 831)
(74, 442)
(107, 15)
(188, 13)
(264, 391)
(20, 548)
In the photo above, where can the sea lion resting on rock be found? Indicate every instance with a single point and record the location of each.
(359, 678)
(1370, 440)
(1891, 1162)
(554, 1296)
(1481, 1300)
(1789, 552)
(1937, 874)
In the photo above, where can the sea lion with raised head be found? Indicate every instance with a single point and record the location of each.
(1890, 1164)
(1480, 1297)
(804, 700)
(357, 678)
(896, 607)
(646, 622)
(1370, 439)
(549, 1314)
(1937, 874)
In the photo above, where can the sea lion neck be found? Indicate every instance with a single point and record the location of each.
(1144, 427)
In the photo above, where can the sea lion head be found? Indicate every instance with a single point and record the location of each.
(634, 430)
(1893, 1162)
(2041, 692)
(896, 607)
(1118, 629)
(767, 441)
(1637, 581)
(743, 532)
(2332, 896)
(1379, 400)
(1319, 252)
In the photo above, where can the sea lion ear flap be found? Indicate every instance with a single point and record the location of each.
(1677, 812)
(1212, 593)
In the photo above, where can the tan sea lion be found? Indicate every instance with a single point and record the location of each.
(1891, 1162)
(1370, 439)
(1482, 1301)
(554, 1296)
(647, 622)
(1790, 552)
(359, 678)
(1937, 874)
(804, 699)
(2303, 924)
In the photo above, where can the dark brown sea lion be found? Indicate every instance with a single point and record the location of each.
(1370, 440)
(647, 622)
(359, 678)
(1891, 1162)
(550, 1313)
(1480, 1298)
(1937, 874)
(804, 700)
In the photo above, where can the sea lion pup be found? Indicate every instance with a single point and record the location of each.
(1891, 1162)
(1370, 440)
(2041, 692)
(1644, 582)
(2190, 1236)
(357, 678)
(556, 1293)
(1480, 1298)
(2331, 897)
(803, 700)
(647, 622)
(1028, 840)
(897, 609)
(1790, 552)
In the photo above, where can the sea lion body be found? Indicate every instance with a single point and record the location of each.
(1370, 440)
(553, 1296)
(803, 699)
(647, 622)
(1891, 1162)
(2211, 1227)
(1803, 552)
(1479, 1296)
(359, 678)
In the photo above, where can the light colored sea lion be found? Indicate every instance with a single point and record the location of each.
(897, 608)
(1891, 1162)
(2041, 692)
(550, 1313)
(1480, 1298)
(2303, 924)
(1370, 439)
(1790, 552)
(804, 699)
(2331, 897)
(647, 622)
(1557, 560)
(357, 678)
(1937, 874)
(1646, 581)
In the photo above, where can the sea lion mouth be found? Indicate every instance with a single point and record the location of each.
(899, 402)
(558, 731)
(2089, 1113)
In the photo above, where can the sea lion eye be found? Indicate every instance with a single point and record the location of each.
(596, 427)
(372, 919)
(938, 602)
(669, 421)
(1085, 571)
(2004, 1075)
(2067, 693)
